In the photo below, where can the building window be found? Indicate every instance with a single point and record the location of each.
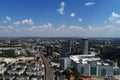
(82, 70)
(103, 73)
(93, 70)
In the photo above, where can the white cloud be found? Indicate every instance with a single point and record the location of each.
(8, 18)
(16, 23)
(114, 19)
(61, 9)
(27, 21)
(61, 28)
(46, 26)
(2, 27)
(118, 21)
(77, 29)
(72, 14)
(11, 28)
(114, 16)
(89, 3)
(80, 19)
(48, 30)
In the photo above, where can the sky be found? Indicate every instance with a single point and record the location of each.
(59, 18)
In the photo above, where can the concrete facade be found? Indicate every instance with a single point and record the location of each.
(84, 46)
(64, 63)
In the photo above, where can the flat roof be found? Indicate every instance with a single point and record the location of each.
(88, 59)
(76, 58)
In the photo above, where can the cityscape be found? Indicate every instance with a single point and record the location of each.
(59, 40)
(59, 59)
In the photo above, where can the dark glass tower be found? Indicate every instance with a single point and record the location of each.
(65, 49)
(49, 50)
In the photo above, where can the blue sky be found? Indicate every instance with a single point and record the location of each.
(59, 18)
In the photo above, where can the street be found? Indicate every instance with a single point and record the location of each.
(48, 70)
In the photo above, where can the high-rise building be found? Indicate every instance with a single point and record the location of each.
(49, 50)
(84, 46)
(65, 49)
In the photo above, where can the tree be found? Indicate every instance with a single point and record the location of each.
(57, 74)
(67, 72)
(77, 75)
(7, 53)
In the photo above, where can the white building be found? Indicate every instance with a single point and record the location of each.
(90, 66)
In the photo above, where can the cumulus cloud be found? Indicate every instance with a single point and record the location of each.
(27, 21)
(80, 19)
(72, 14)
(89, 3)
(114, 16)
(16, 23)
(61, 9)
(48, 30)
(77, 29)
(8, 18)
(114, 19)
(118, 21)
(11, 28)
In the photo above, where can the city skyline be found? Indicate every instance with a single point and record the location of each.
(60, 18)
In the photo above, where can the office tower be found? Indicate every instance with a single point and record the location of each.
(49, 50)
(65, 49)
(84, 46)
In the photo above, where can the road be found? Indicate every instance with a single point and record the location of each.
(48, 70)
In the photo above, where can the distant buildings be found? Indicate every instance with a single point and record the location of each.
(22, 78)
(18, 52)
(16, 70)
(33, 70)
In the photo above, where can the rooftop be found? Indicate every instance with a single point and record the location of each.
(89, 59)
(77, 58)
